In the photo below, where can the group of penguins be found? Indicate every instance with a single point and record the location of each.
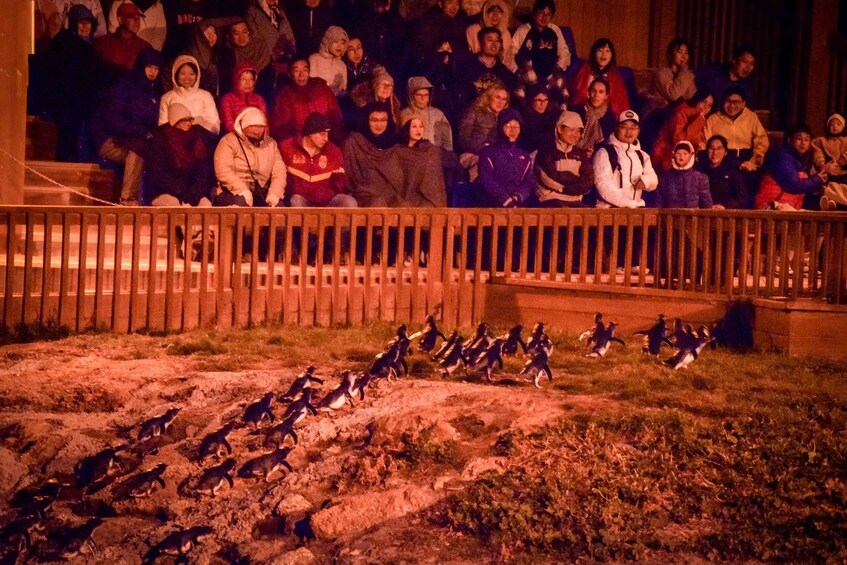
(483, 352)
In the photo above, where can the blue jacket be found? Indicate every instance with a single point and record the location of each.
(683, 188)
(130, 109)
(784, 164)
(505, 169)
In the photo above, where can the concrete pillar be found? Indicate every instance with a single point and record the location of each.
(15, 41)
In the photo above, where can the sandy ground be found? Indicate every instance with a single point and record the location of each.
(365, 503)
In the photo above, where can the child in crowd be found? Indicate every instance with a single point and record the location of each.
(683, 186)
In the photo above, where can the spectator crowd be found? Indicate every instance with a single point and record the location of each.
(405, 103)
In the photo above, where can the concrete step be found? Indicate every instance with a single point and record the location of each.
(87, 178)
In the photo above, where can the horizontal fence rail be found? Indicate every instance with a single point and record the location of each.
(134, 269)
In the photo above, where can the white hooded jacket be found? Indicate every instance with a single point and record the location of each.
(238, 162)
(620, 188)
(199, 101)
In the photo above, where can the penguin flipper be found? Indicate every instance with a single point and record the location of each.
(288, 466)
(546, 369)
(312, 409)
(161, 481)
(316, 380)
(499, 361)
(229, 480)
(294, 436)
(619, 340)
(226, 444)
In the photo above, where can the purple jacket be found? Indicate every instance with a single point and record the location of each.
(505, 169)
(686, 188)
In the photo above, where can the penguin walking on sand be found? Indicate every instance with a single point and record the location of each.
(145, 483)
(428, 335)
(263, 466)
(540, 362)
(275, 437)
(214, 478)
(17, 537)
(385, 364)
(157, 426)
(492, 357)
(98, 466)
(447, 345)
(78, 540)
(215, 444)
(603, 340)
(301, 383)
(655, 337)
(537, 337)
(512, 340)
(256, 412)
(341, 395)
(301, 407)
(179, 543)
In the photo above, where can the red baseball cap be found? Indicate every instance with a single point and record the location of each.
(129, 10)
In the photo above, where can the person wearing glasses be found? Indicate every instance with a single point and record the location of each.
(747, 139)
(539, 117)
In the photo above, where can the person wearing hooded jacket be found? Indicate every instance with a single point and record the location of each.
(70, 68)
(683, 186)
(505, 170)
(327, 64)
(243, 95)
(437, 129)
(248, 164)
(187, 91)
(623, 185)
(127, 120)
(563, 172)
(494, 13)
(267, 19)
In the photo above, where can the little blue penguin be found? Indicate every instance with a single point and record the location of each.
(158, 425)
(214, 478)
(655, 337)
(256, 412)
(301, 383)
(215, 444)
(263, 466)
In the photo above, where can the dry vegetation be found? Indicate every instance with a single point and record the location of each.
(738, 458)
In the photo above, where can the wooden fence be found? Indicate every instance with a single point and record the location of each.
(124, 269)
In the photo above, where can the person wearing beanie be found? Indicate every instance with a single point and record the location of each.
(248, 165)
(620, 185)
(380, 89)
(315, 166)
(186, 79)
(563, 173)
(437, 129)
(243, 95)
(301, 97)
(687, 123)
(505, 170)
(683, 186)
(126, 122)
(327, 64)
(178, 170)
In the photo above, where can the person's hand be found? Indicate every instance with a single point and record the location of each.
(510, 202)
(636, 204)
(832, 169)
(639, 185)
(272, 200)
(247, 196)
(823, 175)
(748, 166)
(718, 207)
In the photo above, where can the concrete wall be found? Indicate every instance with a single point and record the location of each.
(15, 32)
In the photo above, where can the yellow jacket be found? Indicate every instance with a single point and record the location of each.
(744, 132)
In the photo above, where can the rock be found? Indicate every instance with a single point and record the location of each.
(476, 467)
(358, 513)
(11, 470)
(300, 556)
(292, 504)
(391, 428)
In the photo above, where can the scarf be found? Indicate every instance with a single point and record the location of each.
(188, 147)
(593, 134)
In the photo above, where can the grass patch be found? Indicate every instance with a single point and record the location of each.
(644, 484)
(203, 346)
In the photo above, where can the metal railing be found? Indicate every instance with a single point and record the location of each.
(131, 269)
